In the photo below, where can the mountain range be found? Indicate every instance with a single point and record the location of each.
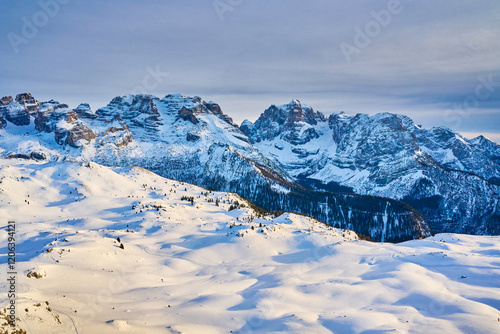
(452, 181)
(382, 176)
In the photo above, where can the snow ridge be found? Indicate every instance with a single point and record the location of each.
(167, 256)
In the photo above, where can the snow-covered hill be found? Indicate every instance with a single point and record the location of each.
(452, 181)
(195, 261)
(191, 140)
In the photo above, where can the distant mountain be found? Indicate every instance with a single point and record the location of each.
(452, 181)
(188, 139)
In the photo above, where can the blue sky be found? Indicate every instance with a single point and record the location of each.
(436, 61)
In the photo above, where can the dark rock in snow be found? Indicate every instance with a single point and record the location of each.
(192, 137)
(5, 100)
(16, 114)
(188, 115)
(118, 133)
(28, 101)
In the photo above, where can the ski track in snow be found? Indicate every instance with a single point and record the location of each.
(186, 269)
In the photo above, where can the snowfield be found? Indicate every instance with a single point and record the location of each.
(188, 265)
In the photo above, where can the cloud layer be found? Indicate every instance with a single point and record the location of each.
(423, 59)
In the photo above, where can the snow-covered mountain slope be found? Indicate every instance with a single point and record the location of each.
(188, 139)
(188, 265)
(452, 181)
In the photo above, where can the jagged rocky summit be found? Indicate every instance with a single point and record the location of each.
(292, 158)
(452, 181)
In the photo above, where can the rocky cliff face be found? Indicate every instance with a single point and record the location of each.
(188, 139)
(49, 114)
(138, 111)
(294, 123)
(71, 131)
(16, 114)
(28, 102)
(117, 133)
(68, 126)
(18, 111)
(5, 100)
(452, 181)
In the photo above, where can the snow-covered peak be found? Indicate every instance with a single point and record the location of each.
(489, 149)
(189, 107)
(130, 106)
(28, 101)
(52, 105)
(150, 112)
(389, 155)
(294, 121)
(189, 139)
(483, 141)
(83, 107)
(16, 113)
(295, 111)
(246, 122)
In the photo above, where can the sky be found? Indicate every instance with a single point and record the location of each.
(435, 61)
